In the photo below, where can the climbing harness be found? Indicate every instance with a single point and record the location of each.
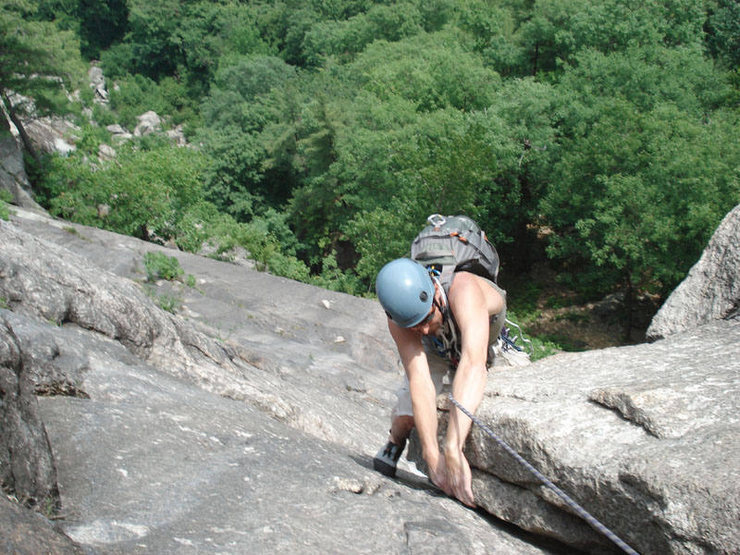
(542, 478)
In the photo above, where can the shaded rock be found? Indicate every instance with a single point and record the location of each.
(13, 177)
(106, 152)
(24, 532)
(52, 134)
(119, 134)
(177, 135)
(97, 83)
(26, 464)
(712, 288)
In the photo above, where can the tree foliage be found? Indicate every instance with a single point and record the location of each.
(328, 131)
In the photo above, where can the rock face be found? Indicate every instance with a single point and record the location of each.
(148, 123)
(13, 177)
(245, 422)
(644, 437)
(97, 84)
(711, 291)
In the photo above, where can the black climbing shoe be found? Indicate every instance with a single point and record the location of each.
(387, 458)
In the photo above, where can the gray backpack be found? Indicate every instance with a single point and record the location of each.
(452, 244)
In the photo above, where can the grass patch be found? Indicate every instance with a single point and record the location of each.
(169, 302)
(5, 199)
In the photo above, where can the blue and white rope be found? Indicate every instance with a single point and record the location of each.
(542, 478)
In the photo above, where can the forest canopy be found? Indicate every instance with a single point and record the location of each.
(597, 136)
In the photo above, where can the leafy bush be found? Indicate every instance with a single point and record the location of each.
(202, 227)
(5, 198)
(136, 94)
(91, 137)
(160, 266)
(142, 193)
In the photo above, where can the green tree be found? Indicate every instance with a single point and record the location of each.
(723, 32)
(36, 61)
(101, 24)
(242, 103)
(548, 33)
(432, 70)
(346, 38)
(143, 193)
(648, 167)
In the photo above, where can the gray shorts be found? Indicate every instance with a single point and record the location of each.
(439, 368)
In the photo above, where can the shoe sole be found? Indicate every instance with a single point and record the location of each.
(384, 468)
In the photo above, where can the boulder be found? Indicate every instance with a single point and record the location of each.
(119, 134)
(711, 290)
(148, 123)
(97, 84)
(52, 134)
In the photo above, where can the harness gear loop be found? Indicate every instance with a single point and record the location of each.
(585, 515)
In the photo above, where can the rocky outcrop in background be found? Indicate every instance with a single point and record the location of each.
(13, 177)
(246, 420)
(711, 291)
(58, 135)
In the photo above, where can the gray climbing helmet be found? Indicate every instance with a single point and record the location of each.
(406, 291)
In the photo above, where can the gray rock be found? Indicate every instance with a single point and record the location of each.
(52, 134)
(13, 177)
(712, 288)
(106, 152)
(242, 424)
(645, 438)
(119, 134)
(97, 83)
(24, 532)
(148, 123)
(177, 135)
(210, 430)
(26, 464)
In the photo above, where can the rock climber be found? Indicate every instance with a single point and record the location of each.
(441, 332)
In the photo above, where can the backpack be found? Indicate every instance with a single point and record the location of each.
(452, 244)
(456, 243)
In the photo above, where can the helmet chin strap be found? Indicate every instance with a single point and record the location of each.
(447, 338)
(442, 293)
(445, 306)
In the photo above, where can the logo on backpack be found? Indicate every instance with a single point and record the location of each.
(455, 243)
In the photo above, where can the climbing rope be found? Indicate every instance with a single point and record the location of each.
(542, 478)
